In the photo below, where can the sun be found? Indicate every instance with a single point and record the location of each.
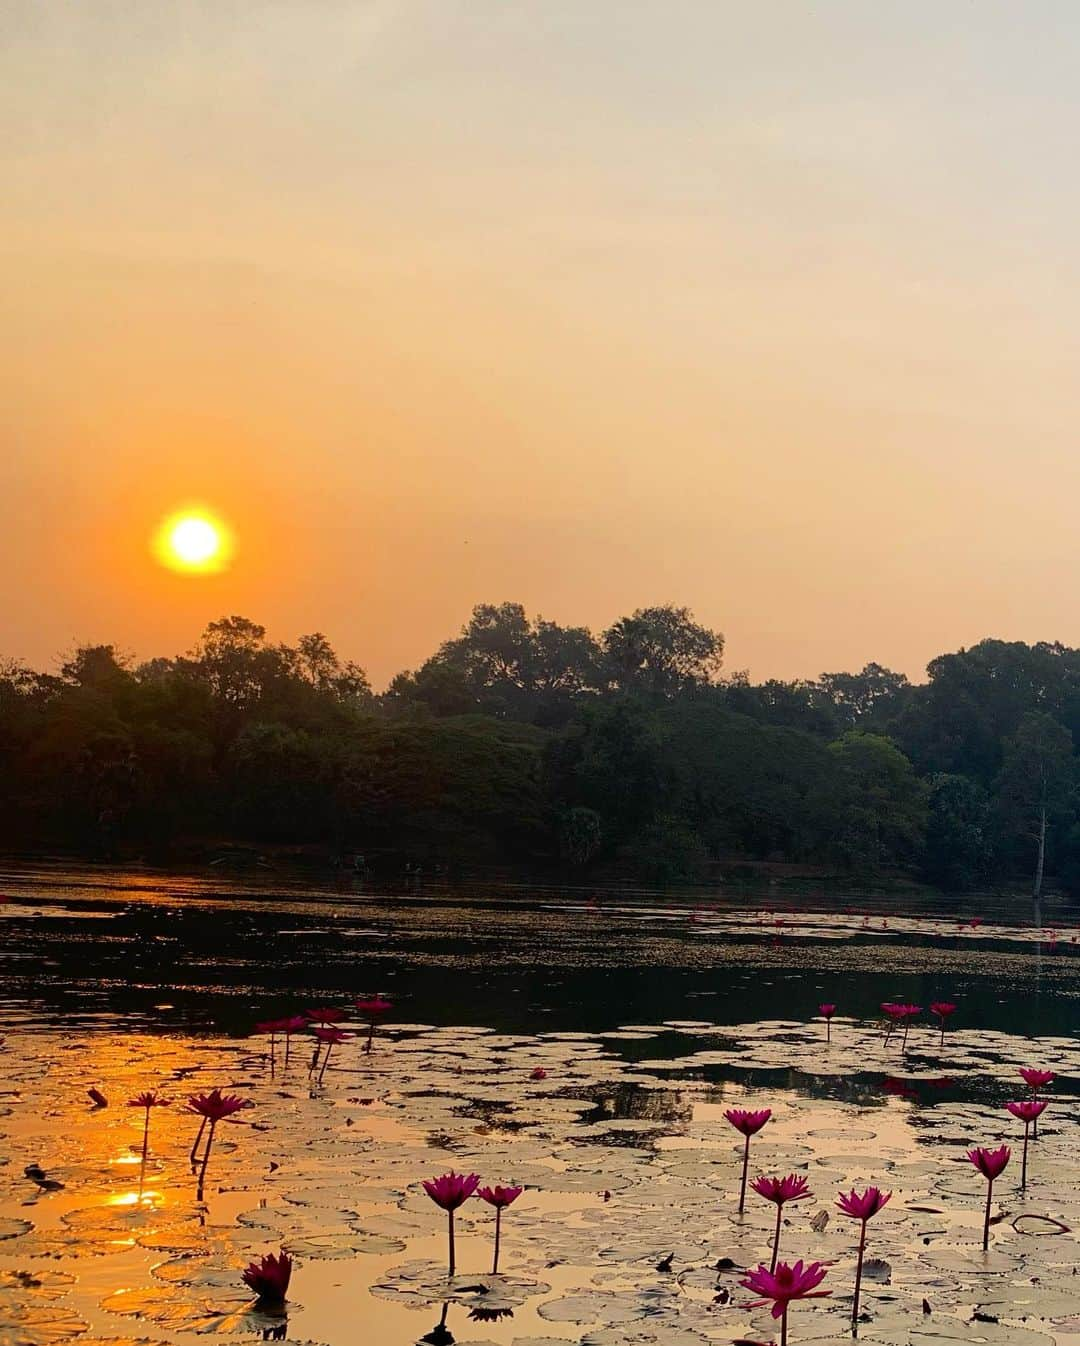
(194, 542)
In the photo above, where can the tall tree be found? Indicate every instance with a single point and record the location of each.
(857, 696)
(1035, 790)
(661, 651)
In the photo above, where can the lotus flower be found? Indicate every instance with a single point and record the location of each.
(269, 1277)
(293, 1024)
(1028, 1111)
(538, 1073)
(328, 1037)
(942, 1010)
(273, 1027)
(781, 1191)
(899, 1014)
(1036, 1080)
(213, 1108)
(827, 1012)
(991, 1164)
(783, 1284)
(216, 1106)
(500, 1198)
(451, 1191)
(861, 1206)
(326, 1014)
(749, 1124)
(372, 1008)
(148, 1099)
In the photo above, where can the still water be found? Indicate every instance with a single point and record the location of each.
(583, 1045)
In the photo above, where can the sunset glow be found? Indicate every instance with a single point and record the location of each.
(193, 542)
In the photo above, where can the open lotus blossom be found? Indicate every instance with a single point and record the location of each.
(329, 1038)
(783, 1284)
(269, 1277)
(1028, 1110)
(451, 1191)
(898, 1014)
(538, 1073)
(991, 1164)
(372, 1008)
(326, 1014)
(862, 1206)
(213, 1107)
(147, 1100)
(907, 1013)
(1036, 1080)
(942, 1010)
(273, 1027)
(500, 1198)
(749, 1124)
(295, 1023)
(827, 1011)
(781, 1191)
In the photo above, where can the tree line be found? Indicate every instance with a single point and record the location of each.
(524, 742)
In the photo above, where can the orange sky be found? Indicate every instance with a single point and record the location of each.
(766, 309)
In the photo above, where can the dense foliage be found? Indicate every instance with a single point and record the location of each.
(527, 742)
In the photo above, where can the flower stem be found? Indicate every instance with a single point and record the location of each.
(1023, 1166)
(776, 1236)
(498, 1224)
(745, 1166)
(205, 1160)
(195, 1147)
(858, 1281)
(453, 1259)
(370, 1036)
(145, 1143)
(326, 1061)
(783, 1327)
(986, 1219)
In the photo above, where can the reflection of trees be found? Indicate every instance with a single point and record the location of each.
(633, 1102)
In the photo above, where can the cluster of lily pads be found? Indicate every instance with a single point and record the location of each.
(645, 1212)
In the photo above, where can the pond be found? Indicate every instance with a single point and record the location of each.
(582, 1045)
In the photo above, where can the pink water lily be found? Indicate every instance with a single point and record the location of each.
(1035, 1080)
(148, 1100)
(862, 1206)
(783, 1284)
(781, 1191)
(942, 1010)
(1028, 1110)
(269, 1277)
(372, 1008)
(991, 1164)
(500, 1198)
(295, 1023)
(748, 1124)
(328, 1037)
(213, 1107)
(827, 1011)
(450, 1192)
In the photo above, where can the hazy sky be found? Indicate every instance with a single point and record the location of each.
(768, 308)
